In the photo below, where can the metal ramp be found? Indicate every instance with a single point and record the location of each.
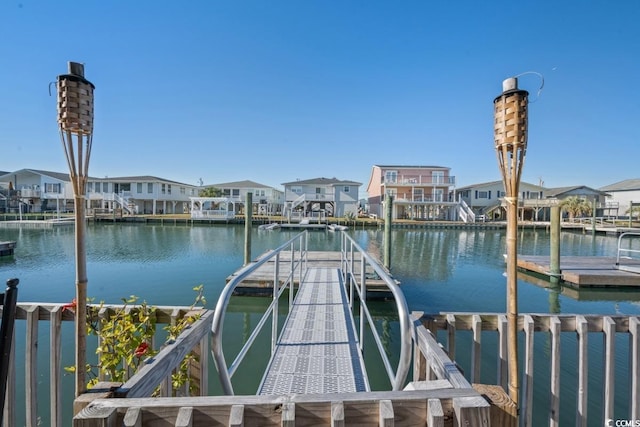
(318, 350)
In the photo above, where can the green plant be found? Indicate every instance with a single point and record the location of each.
(125, 340)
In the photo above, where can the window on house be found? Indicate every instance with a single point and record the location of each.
(391, 177)
(235, 192)
(296, 189)
(139, 187)
(346, 189)
(89, 187)
(482, 195)
(168, 188)
(162, 188)
(105, 187)
(149, 187)
(437, 177)
(52, 188)
(182, 190)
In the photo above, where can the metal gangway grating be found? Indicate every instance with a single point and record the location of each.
(318, 350)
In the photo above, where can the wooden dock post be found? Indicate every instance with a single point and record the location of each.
(554, 258)
(248, 207)
(388, 212)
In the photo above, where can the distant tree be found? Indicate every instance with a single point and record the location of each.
(210, 192)
(575, 206)
(633, 211)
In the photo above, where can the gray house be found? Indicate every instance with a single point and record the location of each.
(321, 197)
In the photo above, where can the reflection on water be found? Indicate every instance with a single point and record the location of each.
(439, 270)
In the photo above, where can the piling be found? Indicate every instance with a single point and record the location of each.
(554, 258)
(248, 207)
(388, 212)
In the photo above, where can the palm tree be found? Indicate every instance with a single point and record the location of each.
(575, 206)
(210, 192)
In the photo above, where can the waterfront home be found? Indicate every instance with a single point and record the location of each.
(266, 200)
(485, 199)
(140, 194)
(419, 192)
(321, 197)
(40, 191)
(621, 194)
(32, 190)
(590, 195)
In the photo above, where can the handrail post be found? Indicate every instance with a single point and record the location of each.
(274, 312)
(352, 285)
(292, 269)
(363, 298)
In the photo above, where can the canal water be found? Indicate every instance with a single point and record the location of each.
(440, 270)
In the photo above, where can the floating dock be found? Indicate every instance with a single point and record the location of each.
(586, 271)
(6, 248)
(260, 283)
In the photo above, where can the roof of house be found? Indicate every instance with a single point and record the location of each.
(626, 185)
(499, 182)
(410, 167)
(322, 181)
(559, 191)
(239, 184)
(140, 178)
(65, 177)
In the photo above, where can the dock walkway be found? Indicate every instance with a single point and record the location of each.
(318, 351)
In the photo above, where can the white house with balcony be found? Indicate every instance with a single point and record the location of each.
(321, 197)
(39, 191)
(32, 190)
(265, 200)
(621, 195)
(140, 194)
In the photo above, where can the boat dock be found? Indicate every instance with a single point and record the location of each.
(6, 248)
(318, 351)
(260, 282)
(586, 271)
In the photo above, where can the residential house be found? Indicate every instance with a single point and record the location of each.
(38, 191)
(419, 192)
(266, 200)
(32, 190)
(589, 194)
(320, 197)
(140, 194)
(486, 200)
(621, 195)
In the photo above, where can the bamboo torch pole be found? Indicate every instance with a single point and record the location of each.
(510, 135)
(75, 120)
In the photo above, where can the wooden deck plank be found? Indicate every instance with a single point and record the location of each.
(585, 271)
(318, 350)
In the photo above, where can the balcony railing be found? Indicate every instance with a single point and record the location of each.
(409, 180)
(425, 198)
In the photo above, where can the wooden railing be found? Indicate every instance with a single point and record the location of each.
(440, 390)
(575, 329)
(36, 345)
(446, 397)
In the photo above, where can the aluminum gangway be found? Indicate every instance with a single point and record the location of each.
(318, 350)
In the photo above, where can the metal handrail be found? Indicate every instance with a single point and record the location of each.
(225, 373)
(621, 249)
(348, 245)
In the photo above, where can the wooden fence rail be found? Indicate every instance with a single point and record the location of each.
(40, 356)
(582, 327)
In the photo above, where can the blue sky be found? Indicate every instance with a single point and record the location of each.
(275, 91)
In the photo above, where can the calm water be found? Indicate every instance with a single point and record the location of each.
(440, 270)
